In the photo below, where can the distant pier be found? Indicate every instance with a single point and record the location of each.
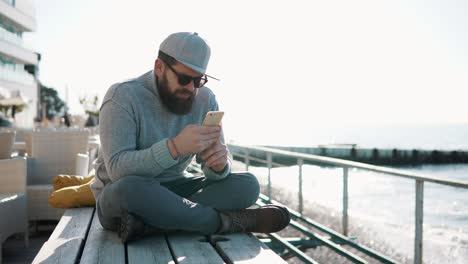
(377, 156)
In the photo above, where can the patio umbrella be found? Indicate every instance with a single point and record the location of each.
(4, 93)
(15, 100)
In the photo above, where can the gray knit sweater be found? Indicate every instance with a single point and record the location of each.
(134, 128)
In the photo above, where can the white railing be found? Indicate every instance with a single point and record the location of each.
(11, 37)
(345, 164)
(15, 75)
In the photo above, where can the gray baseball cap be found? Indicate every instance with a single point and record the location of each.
(189, 49)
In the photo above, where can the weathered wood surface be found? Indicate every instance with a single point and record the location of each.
(152, 249)
(80, 238)
(244, 248)
(192, 249)
(102, 246)
(66, 241)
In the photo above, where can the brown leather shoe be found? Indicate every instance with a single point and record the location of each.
(131, 227)
(266, 219)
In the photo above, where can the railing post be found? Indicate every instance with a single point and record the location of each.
(301, 205)
(246, 159)
(269, 159)
(344, 221)
(418, 228)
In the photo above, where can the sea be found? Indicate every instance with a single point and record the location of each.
(386, 203)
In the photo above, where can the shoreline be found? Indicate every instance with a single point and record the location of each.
(363, 230)
(383, 226)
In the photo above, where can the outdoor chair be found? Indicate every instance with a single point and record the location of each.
(54, 152)
(23, 135)
(13, 207)
(7, 140)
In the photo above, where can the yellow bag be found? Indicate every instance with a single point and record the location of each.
(72, 191)
(62, 181)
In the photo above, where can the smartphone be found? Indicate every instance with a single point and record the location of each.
(213, 118)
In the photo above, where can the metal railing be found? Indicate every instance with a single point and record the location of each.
(420, 179)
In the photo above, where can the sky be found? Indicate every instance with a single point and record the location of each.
(284, 65)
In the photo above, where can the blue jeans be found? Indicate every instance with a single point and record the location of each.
(183, 204)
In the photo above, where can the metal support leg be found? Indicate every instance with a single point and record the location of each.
(344, 221)
(418, 235)
(247, 160)
(269, 159)
(301, 199)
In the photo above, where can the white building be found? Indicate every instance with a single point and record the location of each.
(17, 17)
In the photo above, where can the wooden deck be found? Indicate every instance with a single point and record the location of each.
(80, 238)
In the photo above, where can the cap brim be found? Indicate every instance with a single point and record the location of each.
(212, 77)
(197, 69)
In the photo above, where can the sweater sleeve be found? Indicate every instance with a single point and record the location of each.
(212, 175)
(119, 142)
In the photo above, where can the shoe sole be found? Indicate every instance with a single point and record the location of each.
(127, 234)
(284, 221)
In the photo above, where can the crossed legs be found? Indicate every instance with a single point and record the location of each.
(184, 204)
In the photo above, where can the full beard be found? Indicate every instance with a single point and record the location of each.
(170, 100)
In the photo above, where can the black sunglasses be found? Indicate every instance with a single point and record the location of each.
(185, 79)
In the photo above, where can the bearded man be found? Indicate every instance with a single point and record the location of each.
(150, 132)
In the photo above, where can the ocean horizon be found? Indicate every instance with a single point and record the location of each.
(387, 202)
(403, 136)
(385, 205)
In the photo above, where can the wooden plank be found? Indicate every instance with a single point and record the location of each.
(102, 246)
(244, 248)
(66, 241)
(152, 249)
(190, 248)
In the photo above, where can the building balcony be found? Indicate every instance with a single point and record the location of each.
(17, 53)
(11, 37)
(19, 16)
(9, 77)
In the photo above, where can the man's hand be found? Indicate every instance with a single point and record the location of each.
(194, 139)
(216, 156)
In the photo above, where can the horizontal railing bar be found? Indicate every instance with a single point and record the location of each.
(336, 237)
(295, 241)
(301, 255)
(259, 160)
(287, 255)
(359, 165)
(333, 246)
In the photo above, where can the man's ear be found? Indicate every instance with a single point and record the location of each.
(158, 67)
